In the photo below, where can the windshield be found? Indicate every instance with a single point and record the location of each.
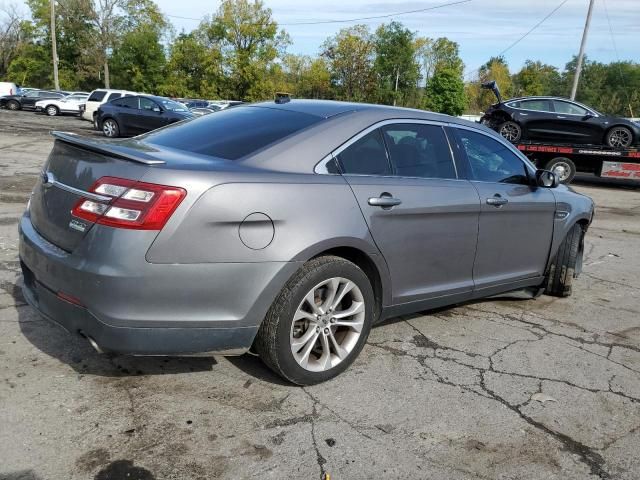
(173, 106)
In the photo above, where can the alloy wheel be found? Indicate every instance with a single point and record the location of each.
(510, 131)
(109, 128)
(620, 138)
(327, 324)
(13, 105)
(52, 111)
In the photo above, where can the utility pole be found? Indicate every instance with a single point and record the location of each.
(54, 50)
(576, 77)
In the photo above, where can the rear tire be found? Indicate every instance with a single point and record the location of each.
(619, 137)
(13, 105)
(566, 265)
(303, 342)
(110, 128)
(563, 168)
(52, 110)
(511, 131)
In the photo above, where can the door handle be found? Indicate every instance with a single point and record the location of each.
(497, 201)
(561, 117)
(385, 200)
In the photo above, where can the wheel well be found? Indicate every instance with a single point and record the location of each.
(367, 265)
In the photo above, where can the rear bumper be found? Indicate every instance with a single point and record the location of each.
(134, 307)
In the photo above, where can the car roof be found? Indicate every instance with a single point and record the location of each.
(342, 120)
(541, 97)
(330, 108)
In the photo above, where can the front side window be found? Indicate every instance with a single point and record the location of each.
(366, 156)
(569, 108)
(536, 105)
(146, 104)
(173, 106)
(492, 161)
(419, 150)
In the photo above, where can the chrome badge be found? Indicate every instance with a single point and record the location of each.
(77, 225)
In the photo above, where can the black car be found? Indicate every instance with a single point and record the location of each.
(557, 120)
(27, 101)
(138, 114)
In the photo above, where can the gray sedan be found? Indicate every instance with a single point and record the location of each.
(289, 229)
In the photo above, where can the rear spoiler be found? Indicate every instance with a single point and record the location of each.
(108, 147)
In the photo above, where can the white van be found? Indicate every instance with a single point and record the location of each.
(97, 98)
(9, 88)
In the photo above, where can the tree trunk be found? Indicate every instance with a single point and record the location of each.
(106, 73)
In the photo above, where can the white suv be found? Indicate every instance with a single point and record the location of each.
(97, 98)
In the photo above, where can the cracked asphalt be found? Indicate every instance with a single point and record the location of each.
(502, 388)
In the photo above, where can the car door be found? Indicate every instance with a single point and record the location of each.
(516, 217)
(423, 218)
(150, 116)
(534, 116)
(576, 123)
(29, 99)
(127, 109)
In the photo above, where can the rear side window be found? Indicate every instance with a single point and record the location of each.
(490, 160)
(113, 96)
(127, 102)
(419, 150)
(97, 96)
(366, 156)
(536, 105)
(232, 134)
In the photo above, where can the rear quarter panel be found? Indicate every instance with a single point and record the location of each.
(292, 217)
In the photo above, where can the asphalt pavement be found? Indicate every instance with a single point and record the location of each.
(497, 389)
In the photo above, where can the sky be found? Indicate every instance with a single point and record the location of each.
(482, 28)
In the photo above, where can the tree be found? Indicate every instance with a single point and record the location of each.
(350, 56)
(445, 92)
(395, 63)
(11, 35)
(188, 68)
(138, 62)
(437, 53)
(249, 43)
(535, 78)
(307, 77)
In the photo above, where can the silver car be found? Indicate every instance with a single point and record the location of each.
(290, 229)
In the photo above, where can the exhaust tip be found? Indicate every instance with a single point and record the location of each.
(93, 343)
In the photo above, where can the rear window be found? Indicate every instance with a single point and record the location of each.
(234, 133)
(97, 96)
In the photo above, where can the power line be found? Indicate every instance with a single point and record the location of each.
(524, 36)
(321, 22)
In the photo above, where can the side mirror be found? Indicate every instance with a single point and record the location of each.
(587, 116)
(547, 179)
(157, 109)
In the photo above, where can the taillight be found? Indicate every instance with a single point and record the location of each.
(137, 205)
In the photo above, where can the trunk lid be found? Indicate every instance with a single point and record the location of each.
(74, 165)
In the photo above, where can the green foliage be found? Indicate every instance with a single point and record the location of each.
(138, 62)
(535, 78)
(445, 92)
(395, 63)
(240, 53)
(249, 43)
(350, 57)
(32, 66)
